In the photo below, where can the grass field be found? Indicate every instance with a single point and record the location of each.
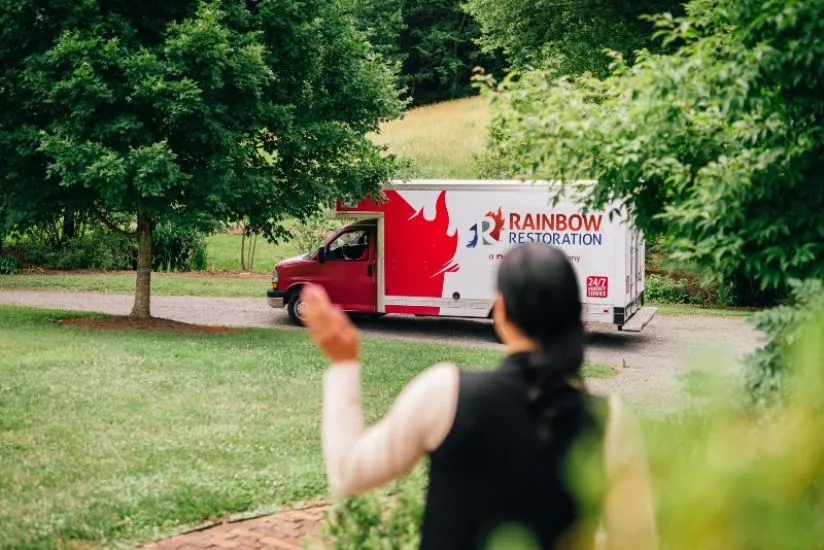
(109, 438)
(223, 253)
(163, 284)
(443, 139)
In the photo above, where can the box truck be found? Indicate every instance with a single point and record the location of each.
(432, 248)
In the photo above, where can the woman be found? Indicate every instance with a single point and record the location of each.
(499, 442)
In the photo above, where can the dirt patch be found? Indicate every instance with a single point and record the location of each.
(153, 323)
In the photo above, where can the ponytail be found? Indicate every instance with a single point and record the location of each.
(555, 389)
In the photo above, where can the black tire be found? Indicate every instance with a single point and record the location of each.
(293, 307)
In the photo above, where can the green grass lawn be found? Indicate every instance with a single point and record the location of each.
(111, 438)
(163, 284)
(676, 309)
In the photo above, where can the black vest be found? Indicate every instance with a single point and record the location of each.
(493, 468)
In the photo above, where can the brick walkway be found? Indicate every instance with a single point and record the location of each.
(286, 531)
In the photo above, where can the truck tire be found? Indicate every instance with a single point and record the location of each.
(294, 308)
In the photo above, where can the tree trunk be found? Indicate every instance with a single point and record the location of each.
(243, 251)
(252, 255)
(69, 226)
(142, 293)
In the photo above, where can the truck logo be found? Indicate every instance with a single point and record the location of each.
(489, 232)
(597, 287)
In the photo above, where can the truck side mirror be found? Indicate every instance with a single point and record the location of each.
(322, 254)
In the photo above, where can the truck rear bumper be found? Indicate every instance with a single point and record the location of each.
(276, 298)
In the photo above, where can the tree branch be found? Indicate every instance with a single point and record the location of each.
(113, 227)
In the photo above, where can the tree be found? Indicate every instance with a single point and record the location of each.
(438, 43)
(718, 145)
(433, 42)
(197, 112)
(566, 37)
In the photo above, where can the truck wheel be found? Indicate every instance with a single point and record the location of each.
(295, 308)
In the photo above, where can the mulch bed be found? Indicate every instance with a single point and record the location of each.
(153, 323)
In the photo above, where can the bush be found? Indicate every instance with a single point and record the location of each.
(95, 249)
(310, 233)
(176, 248)
(378, 521)
(9, 265)
(690, 289)
(784, 327)
(666, 290)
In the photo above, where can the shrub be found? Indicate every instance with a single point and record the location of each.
(784, 327)
(178, 248)
(378, 521)
(97, 248)
(9, 264)
(310, 233)
(666, 290)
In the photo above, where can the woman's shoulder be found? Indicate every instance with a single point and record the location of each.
(441, 378)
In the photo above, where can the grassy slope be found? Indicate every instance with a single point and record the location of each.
(115, 437)
(442, 139)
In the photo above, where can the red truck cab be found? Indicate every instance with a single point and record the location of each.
(345, 265)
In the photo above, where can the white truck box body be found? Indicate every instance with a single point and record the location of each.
(440, 243)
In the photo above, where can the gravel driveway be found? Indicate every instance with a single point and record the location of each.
(651, 363)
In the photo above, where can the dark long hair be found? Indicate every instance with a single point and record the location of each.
(540, 292)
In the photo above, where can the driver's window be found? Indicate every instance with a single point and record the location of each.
(352, 246)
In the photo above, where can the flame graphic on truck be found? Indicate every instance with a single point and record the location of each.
(412, 241)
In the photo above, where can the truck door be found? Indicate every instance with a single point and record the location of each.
(349, 274)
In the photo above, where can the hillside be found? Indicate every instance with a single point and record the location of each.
(443, 139)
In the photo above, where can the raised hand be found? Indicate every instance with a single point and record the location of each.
(329, 327)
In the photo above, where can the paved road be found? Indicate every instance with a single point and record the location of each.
(651, 363)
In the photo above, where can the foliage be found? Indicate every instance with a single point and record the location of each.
(92, 247)
(440, 49)
(765, 471)
(679, 289)
(566, 37)
(432, 42)
(178, 248)
(717, 146)
(193, 112)
(785, 328)
(307, 236)
(9, 264)
(377, 520)
(666, 290)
